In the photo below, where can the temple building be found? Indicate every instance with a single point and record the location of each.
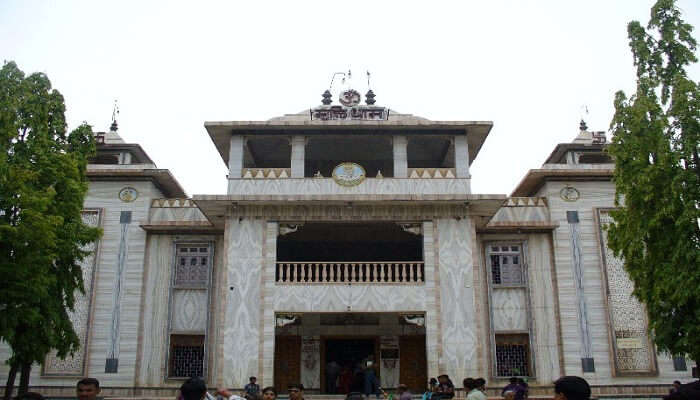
(350, 234)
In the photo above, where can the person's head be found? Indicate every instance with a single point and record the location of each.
(193, 389)
(509, 395)
(87, 389)
(676, 384)
(296, 391)
(432, 382)
(30, 396)
(252, 379)
(469, 384)
(269, 393)
(480, 383)
(401, 388)
(513, 380)
(443, 378)
(571, 388)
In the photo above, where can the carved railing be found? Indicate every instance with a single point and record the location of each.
(432, 173)
(330, 272)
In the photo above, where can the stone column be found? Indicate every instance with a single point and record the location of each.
(244, 240)
(462, 156)
(400, 157)
(235, 157)
(298, 156)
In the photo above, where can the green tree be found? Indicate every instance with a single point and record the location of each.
(42, 236)
(657, 178)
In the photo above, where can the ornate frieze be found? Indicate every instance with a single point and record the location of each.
(350, 212)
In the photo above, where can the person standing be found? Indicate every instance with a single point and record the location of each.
(87, 389)
(269, 393)
(472, 390)
(572, 388)
(193, 389)
(295, 391)
(332, 372)
(252, 389)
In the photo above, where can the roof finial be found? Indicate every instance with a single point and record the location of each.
(327, 98)
(582, 125)
(369, 97)
(115, 112)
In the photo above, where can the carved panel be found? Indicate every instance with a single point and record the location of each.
(189, 310)
(509, 310)
(631, 344)
(80, 316)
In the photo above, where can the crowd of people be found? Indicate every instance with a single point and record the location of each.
(565, 388)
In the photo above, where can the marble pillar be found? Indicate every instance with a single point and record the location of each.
(235, 157)
(298, 156)
(462, 156)
(400, 157)
(458, 320)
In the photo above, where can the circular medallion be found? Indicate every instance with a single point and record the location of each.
(128, 194)
(569, 193)
(348, 174)
(349, 98)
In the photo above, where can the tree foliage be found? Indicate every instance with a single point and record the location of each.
(42, 236)
(655, 143)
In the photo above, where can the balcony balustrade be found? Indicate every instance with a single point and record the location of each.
(364, 273)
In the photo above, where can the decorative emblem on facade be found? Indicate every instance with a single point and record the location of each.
(128, 194)
(349, 98)
(348, 174)
(414, 319)
(283, 320)
(569, 193)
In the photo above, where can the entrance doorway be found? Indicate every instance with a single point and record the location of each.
(344, 363)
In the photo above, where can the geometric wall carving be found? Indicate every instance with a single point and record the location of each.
(80, 316)
(189, 311)
(631, 344)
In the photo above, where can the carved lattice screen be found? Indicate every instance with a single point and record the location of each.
(633, 351)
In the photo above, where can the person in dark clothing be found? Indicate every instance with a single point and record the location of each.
(193, 389)
(445, 389)
(688, 391)
(515, 387)
(571, 388)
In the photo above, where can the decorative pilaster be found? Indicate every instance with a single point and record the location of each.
(112, 362)
(462, 156)
(244, 261)
(298, 156)
(400, 157)
(587, 363)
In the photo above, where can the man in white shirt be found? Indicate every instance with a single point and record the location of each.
(471, 388)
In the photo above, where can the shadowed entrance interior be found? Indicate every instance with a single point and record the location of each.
(344, 360)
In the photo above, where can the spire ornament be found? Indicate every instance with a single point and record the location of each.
(327, 98)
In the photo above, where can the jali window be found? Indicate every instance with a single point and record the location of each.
(512, 355)
(189, 309)
(506, 265)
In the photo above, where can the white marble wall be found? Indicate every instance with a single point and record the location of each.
(592, 195)
(104, 195)
(458, 321)
(244, 259)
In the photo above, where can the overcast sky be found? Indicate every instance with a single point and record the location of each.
(528, 66)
